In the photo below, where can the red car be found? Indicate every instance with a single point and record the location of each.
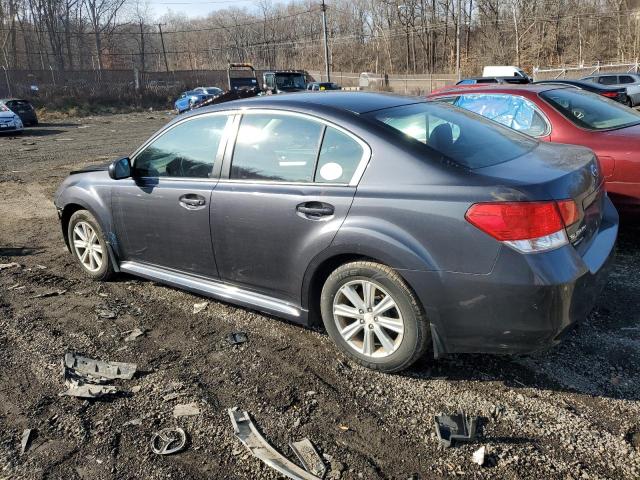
(566, 114)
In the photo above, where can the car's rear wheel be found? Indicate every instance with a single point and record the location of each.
(372, 314)
(629, 103)
(88, 245)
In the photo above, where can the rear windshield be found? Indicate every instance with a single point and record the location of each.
(459, 135)
(591, 111)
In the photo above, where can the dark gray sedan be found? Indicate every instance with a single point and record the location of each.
(401, 224)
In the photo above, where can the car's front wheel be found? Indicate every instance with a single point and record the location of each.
(372, 314)
(88, 245)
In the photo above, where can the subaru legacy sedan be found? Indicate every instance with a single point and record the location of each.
(402, 225)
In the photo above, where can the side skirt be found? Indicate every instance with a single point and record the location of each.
(218, 290)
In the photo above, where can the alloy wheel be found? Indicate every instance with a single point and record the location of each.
(87, 246)
(368, 318)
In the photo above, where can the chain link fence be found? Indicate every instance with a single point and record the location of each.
(581, 71)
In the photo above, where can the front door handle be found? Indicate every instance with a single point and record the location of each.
(192, 200)
(315, 209)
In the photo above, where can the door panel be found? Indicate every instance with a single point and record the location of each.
(262, 241)
(156, 224)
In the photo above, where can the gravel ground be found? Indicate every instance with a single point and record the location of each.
(572, 412)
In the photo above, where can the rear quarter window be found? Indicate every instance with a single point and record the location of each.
(455, 134)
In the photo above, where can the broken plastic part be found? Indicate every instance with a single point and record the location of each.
(99, 369)
(248, 434)
(236, 338)
(87, 390)
(168, 441)
(459, 427)
(309, 457)
(186, 410)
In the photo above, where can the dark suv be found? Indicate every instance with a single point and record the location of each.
(403, 223)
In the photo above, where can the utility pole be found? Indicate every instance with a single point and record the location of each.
(515, 26)
(459, 17)
(326, 43)
(164, 50)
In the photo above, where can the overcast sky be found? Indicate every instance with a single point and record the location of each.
(194, 8)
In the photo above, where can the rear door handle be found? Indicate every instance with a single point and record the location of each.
(315, 209)
(192, 200)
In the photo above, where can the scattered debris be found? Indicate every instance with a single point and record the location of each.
(9, 265)
(135, 333)
(344, 428)
(478, 456)
(168, 441)
(26, 440)
(237, 338)
(51, 293)
(199, 307)
(136, 389)
(15, 286)
(451, 428)
(170, 396)
(309, 457)
(40, 267)
(186, 410)
(98, 369)
(247, 433)
(133, 421)
(106, 314)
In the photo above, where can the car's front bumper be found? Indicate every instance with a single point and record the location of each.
(526, 303)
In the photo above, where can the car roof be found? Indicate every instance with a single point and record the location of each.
(502, 88)
(355, 102)
(13, 99)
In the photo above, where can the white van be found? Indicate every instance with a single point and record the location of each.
(503, 71)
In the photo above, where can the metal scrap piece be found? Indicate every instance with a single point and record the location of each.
(309, 457)
(168, 441)
(51, 293)
(247, 433)
(135, 333)
(459, 427)
(99, 369)
(26, 439)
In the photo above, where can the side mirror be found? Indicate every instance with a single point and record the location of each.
(120, 169)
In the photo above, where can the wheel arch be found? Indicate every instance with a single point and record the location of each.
(324, 264)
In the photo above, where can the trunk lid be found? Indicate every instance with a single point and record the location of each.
(558, 172)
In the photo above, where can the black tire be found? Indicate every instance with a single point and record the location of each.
(105, 272)
(416, 336)
(629, 103)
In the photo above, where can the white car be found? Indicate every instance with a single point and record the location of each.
(9, 121)
(629, 80)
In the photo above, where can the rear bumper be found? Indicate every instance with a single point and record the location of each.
(525, 304)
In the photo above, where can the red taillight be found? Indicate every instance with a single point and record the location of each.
(568, 211)
(609, 94)
(509, 221)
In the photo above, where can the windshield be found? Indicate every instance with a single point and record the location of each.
(290, 80)
(591, 111)
(456, 134)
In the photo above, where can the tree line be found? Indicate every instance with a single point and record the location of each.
(392, 36)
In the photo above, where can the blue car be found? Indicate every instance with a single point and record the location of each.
(188, 99)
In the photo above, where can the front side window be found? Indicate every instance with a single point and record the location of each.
(276, 147)
(186, 150)
(590, 111)
(339, 157)
(510, 110)
(455, 134)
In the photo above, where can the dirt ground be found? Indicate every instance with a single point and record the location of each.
(572, 412)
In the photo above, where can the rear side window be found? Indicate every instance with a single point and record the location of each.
(608, 80)
(627, 79)
(339, 157)
(455, 134)
(510, 110)
(186, 150)
(276, 147)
